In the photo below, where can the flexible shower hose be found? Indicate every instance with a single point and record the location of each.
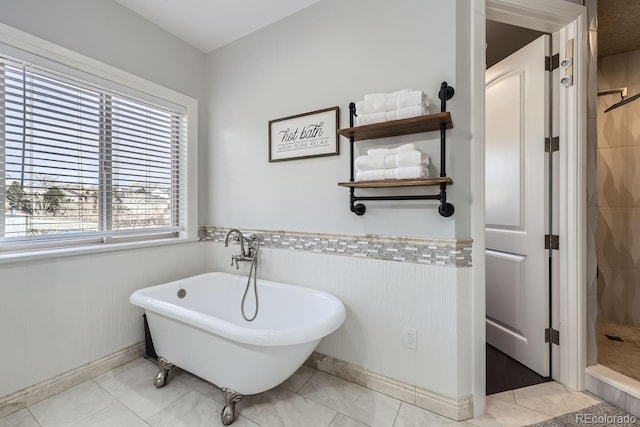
(254, 264)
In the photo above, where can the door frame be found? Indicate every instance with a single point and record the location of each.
(547, 16)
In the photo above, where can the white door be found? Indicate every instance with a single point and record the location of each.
(517, 265)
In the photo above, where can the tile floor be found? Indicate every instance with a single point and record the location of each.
(126, 397)
(621, 356)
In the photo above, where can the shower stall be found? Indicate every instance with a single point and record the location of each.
(616, 204)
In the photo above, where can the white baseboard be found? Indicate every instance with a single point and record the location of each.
(456, 409)
(47, 388)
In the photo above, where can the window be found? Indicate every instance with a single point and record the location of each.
(83, 163)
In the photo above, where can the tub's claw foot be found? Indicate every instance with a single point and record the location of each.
(229, 411)
(163, 371)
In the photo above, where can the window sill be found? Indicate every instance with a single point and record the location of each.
(34, 255)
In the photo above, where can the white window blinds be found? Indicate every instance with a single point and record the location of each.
(80, 161)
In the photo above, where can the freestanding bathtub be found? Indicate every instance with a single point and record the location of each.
(196, 324)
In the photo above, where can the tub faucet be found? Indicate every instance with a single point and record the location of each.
(244, 255)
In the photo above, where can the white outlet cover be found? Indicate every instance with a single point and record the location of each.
(410, 337)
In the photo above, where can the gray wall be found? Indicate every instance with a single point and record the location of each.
(328, 55)
(59, 314)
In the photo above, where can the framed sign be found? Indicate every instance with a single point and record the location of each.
(306, 135)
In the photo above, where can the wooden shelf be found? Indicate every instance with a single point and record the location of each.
(419, 124)
(419, 182)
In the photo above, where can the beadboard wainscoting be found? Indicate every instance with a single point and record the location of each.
(52, 386)
(382, 296)
(60, 314)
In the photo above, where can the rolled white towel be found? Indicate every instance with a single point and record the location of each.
(407, 172)
(372, 96)
(405, 147)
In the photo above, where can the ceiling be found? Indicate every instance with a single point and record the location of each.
(618, 26)
(209, 24)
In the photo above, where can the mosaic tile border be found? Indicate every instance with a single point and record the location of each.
(450, 253)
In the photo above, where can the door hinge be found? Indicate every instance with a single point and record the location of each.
(551, 241)
(552, 335)
(552, 144)
(552, 62)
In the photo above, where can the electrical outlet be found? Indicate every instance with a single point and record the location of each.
(410, 337)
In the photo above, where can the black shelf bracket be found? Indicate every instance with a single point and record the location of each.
(446, 92)
(358, 209)
(445, 209)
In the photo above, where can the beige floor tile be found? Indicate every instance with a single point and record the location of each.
(71, 406)
(134, 388)
(194, 410)
(412, 416)
(344, 421)
(22, 418)
(549, 398)
(505, 396)
(503, 414)
(115, 415)
(203, 386)
(360, 403)
(296, 381)
(282, 408)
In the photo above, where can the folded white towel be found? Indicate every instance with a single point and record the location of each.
(391, 102)
(372, 96)
(407, 172)
(378, 105)
(406, 158)
(391, 160)
(410, 99)
(402, 113)
(367, 162)
(367, 119)
(405, 147)
(407, 112)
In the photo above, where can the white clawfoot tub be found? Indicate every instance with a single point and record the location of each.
(196, 324)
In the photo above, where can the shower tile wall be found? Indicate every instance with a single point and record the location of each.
(618, 192)
(592, 211)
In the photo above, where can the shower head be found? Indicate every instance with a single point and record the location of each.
(623, 102)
